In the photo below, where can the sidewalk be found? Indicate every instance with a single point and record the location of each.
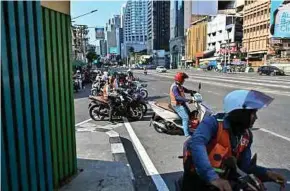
(97, 147)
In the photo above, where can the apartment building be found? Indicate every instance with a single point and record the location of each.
(256, 22)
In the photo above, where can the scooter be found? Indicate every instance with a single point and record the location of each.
(166, 120)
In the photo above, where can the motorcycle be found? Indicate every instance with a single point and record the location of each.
(140, 88)
(97, 87)
(166, 120)
(76, 84)
(239, 180)
(125, 106)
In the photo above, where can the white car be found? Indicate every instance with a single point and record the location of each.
(161, 69)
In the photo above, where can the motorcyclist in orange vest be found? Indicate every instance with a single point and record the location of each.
(109, 95)
(178, 100)
(225, 135)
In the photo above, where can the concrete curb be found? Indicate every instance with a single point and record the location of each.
(118, 151)
(117, 148)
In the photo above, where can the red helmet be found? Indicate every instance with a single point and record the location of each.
(180, 77)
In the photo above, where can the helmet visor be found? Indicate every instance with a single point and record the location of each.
(256, 100)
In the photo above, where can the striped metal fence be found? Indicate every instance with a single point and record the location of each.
(37, 113)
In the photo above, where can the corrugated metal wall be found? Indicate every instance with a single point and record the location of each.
(57, 34)
(37, 125)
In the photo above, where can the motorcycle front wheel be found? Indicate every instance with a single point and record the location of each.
(144, 93)
(144, 108)
(136, 113)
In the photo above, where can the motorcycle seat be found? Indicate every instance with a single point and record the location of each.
(98, 98)
(165, 106)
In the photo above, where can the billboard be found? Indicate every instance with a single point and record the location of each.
(113, 50)
(100, 34)
(280, 19)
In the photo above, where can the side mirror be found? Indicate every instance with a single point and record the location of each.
(199, 86)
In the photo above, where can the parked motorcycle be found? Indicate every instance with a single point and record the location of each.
(140, 88)
(125, 106)
(166, 120)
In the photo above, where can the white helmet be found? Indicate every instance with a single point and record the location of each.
(246, 99)
(78, 71)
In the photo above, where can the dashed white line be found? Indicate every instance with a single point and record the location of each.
(275, 134)
(146, 161)
(80, 123)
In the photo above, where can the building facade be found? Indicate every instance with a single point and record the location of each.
(103, 47)
(176, 41)
(158, 25)
(135, 26)
(196, 38)
(256, 16)
(222, 31)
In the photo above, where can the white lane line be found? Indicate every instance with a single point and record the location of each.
(166, 93)
(146, 161)
(212, 92)
(275, 134)
(80, 123)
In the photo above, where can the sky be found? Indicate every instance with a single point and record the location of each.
(106, 9)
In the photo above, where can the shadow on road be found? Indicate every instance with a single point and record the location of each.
(151, 98)
(144, 182)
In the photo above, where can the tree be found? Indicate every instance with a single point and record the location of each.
(91, 56)
(132, 53)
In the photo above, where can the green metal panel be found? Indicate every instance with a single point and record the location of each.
(72, 114)
(67, 80)
(50, 86)
(62, 89)
(57, 36)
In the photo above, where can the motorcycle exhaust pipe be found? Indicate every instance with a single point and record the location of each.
(160, 125)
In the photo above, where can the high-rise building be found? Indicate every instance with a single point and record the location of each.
(110, 34)
(176, 41)
(135, 26)
(158, 25)
(256, 30)
(103, 47)
(123, 9)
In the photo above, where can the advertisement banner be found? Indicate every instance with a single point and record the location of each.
(280, 19)
(113, 50)
(100, 34)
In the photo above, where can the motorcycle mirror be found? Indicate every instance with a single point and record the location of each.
(254, 160)
(199, 86)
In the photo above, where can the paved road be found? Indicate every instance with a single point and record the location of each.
(271, 142)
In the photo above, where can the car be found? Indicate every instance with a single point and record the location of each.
(161, 69)
(270, 70)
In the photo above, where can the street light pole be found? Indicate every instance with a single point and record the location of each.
(85, 14)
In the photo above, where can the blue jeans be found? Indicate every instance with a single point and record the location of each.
(183, 113)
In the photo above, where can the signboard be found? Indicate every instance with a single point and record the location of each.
(100, 35)
(280, 19)
(113, 50)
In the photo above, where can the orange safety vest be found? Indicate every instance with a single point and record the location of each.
(105, 92)
(171, 94)
(218, 148)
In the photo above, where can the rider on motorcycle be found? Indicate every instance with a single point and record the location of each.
(178, 100)
(109, 95)
(226, 135)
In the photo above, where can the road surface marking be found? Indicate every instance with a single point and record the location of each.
(117, 148)
(212, 92)
(80, 123)
(146, 161)
(228, 85)
(275, 134)
(166, 93)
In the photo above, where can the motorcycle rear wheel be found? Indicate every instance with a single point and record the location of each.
(94, 112)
